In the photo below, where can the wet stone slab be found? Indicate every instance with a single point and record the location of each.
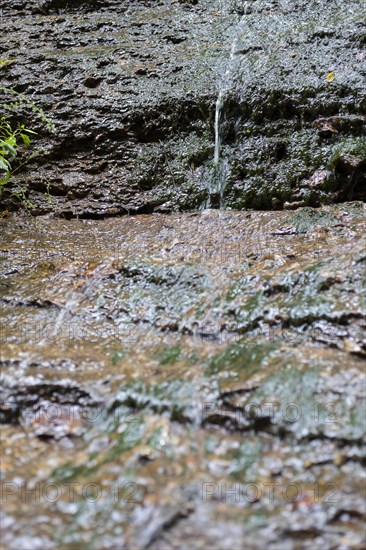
(184, 380)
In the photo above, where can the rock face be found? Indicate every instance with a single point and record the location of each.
(131, 88)
(184, 379)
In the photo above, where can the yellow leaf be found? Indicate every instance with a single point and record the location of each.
(330, 76)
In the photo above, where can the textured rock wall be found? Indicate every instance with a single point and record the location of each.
(131, 87)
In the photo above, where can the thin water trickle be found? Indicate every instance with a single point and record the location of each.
(219, 103)
(221, 171)
(225, 85)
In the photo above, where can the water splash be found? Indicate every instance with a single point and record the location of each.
(74, 302)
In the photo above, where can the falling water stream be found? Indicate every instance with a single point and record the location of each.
(220, 173)
(220, 168)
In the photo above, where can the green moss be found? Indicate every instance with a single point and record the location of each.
(125, 441)
(69, 472)
(245, 461)
(120, 442)
(353, 146)
(117, 356)
(241, 356)
(356, 210)
(172, 396)
(170, 355)
(251, 310)
(304, 219)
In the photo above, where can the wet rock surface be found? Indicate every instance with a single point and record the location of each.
(185, 380)
(131, 88)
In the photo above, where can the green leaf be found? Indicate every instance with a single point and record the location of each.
(11, 140)
(25, 139)
(4, 164)
(9, 147)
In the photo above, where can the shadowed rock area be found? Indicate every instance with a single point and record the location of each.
(131, 87)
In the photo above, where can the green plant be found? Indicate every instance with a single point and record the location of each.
(22, 197)
(14, 139)
(22, 99)
(9, 146)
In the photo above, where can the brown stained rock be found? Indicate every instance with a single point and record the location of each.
(350, 163)
(330, 126)
(319, 178)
